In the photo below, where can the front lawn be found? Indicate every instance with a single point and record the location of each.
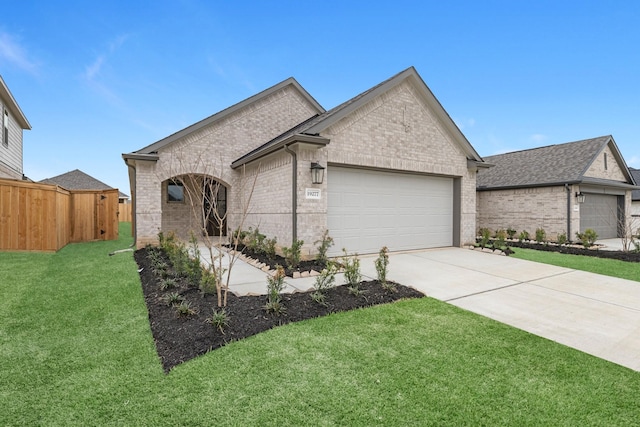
(608, 267)
(76, 349)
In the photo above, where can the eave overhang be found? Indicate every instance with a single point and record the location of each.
(293, 139)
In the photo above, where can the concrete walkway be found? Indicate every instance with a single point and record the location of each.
(597, 314)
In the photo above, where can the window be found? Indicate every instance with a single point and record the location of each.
(5, 127)
(175, 192)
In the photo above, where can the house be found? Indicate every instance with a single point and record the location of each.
(78, 180)
(564, 188)
(635, 195)
(397, 170)
(12, 124)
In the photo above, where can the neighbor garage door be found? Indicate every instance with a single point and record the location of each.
(371, 209)
(600, 212)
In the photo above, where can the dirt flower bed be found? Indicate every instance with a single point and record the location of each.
(179, 338)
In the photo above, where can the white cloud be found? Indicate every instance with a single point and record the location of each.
(93, 73)
(538, 137)
(465, 123)
(12, 52)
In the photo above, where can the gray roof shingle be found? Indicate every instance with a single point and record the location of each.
(550, 165)
(78, 180)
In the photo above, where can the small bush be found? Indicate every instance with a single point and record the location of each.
(541, 235)
(270, 248)
(275, 285)
(219, 319)
(255, 241)
(209, 279)
(174, 298)
(562, 238)
(323, 282)
(588, 238)
(524, 236)
(352, 275)
(238, 236)
(292, 254)
(382, 269)
(185, 309)
(167, 283)
(485, 237)
(511, 232)
(325, 243)
(500, 240)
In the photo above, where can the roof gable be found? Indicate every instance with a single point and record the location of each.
(635, 173)
(221, 115)
(551, 165)
(13, 106)
(316, 125)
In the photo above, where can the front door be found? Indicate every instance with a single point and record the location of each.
(215, 207)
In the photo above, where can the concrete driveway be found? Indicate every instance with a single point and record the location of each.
(597, 314)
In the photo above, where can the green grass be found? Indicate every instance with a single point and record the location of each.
(608, 267)
(76, 349)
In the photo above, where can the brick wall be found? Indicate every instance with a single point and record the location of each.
(612, 171)
(527, 209)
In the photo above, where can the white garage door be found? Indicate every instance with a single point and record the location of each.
(370, 209)
(600, 213)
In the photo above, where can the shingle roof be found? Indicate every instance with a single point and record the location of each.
(635, 173)
(550, 165)
(78, 180)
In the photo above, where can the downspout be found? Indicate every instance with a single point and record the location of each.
(134, 198)
(568, 188)
(294, 194)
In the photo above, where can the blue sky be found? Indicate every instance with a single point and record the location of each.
(98, 79)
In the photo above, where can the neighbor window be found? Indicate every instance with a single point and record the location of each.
(175, 191)
(5, 127)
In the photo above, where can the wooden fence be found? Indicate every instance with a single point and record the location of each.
(124, 212)
(41, 217)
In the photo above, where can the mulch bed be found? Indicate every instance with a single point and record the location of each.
(308, 265)
(572, 250)
(181, 338)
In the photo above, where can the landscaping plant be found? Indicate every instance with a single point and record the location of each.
(562, 238)
(323, 282)
(541, 235)
(292, 255)
(275, 285)
(325, 243)
(352, 275)
(511, 232)
(524, 236)
(500, 240)
(219, 319)
(588, 237)
(485, 237)
(270, 248)
(382, 268)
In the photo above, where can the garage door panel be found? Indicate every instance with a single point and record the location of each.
(400, 211)
(600, 213)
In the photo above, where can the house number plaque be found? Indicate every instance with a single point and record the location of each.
(313, 193)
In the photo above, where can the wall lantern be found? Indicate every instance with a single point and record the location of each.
(317, 173)
(580, 197)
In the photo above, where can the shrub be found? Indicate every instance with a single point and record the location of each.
(173, 298)
(255, 241)
(524, 235)
(511, 232)
(292, 254)
(485, 236)
(239, 236)
(325, 243)
(501, 240)
(382, 269)
(541, 235)
(185, 309)
(219, 319)
(352, 275)
(562, 238)
(167, 283)
(323, 282)
(209, 279)
(275, 285)
(588, 238)
(270, 248)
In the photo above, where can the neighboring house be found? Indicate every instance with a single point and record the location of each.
(399, 173)
(78, 180)
(635, 196)
(562, 188)
(12, 123)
